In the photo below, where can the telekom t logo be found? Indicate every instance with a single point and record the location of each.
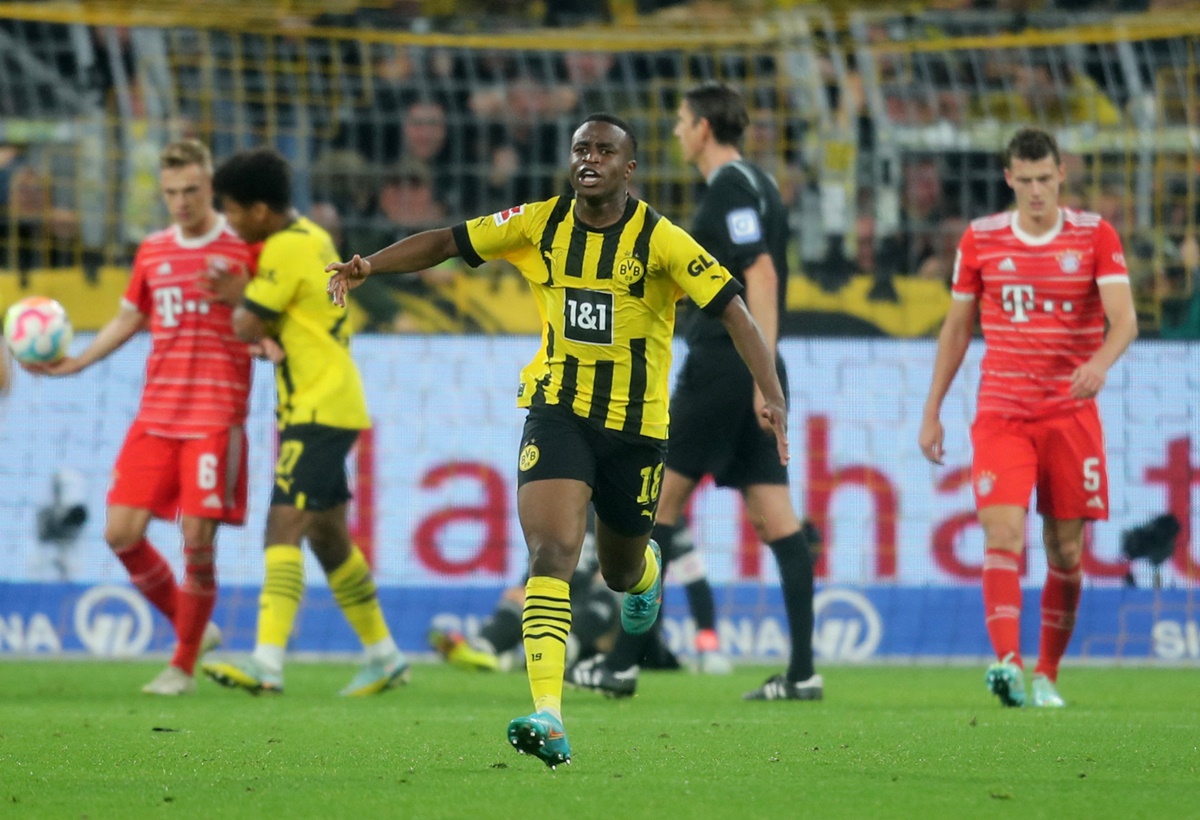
(1018, 299)
(169, 302)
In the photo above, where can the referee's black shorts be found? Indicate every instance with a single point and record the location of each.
(714, 430)
(624, 472)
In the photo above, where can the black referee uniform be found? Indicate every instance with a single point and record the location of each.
(713, 425)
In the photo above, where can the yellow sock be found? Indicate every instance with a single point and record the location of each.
(282, 589)
(354, 590)
(649, 576)
(545, 625)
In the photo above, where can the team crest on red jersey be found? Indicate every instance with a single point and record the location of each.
(985, 483)
(1069, 262)
(500, 217)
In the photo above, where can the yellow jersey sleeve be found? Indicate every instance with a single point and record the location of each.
(510, 234)
(695, 271)
(275, 285)
(317, 382)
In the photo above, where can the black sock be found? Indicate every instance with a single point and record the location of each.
(503, 629)
(702, 605)
(796, 579)
(628, 650)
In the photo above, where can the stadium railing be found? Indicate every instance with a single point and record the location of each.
(882, 130)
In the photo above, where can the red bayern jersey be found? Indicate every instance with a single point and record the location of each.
(198, 371)
(1039, 304)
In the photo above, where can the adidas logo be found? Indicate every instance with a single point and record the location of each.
(1095, 502)
(1008, 264)
(212, 502)
(164, 269)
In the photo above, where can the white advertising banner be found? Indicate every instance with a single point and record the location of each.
(436, 477)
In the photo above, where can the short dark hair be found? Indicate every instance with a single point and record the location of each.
(724, 109)
(1031, 144)
(613, 119)
(258, 175)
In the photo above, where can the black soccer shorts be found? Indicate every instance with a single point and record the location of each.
(624, 472)
(714, 430)
(310, 473)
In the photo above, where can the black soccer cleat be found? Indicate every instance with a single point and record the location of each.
(594, 675)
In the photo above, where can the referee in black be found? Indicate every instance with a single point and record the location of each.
(716, 423)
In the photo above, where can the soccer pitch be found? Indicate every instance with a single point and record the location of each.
(79, 739)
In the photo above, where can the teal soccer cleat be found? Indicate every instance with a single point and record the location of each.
(639, 612)
(1006, 681)
(541, 735)
(1044, 694)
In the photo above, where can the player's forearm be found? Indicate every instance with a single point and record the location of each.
(114, 334)
(953, 342)
(762, 298)
(415, 253)
(247, 326)
(1121, 333)
(752, 347)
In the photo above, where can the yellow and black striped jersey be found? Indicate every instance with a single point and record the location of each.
(607, 302)
(318, 382)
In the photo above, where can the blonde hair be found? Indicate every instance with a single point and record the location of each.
(182, 153)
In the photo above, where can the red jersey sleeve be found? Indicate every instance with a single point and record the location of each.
(967, 281)
(1110, 257)
(137, 293)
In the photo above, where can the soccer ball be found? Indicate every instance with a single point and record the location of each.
(37, 330)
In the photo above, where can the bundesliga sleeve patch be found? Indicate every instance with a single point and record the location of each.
(508, 213)
(744, 226)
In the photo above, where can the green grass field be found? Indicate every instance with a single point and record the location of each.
(78, 739)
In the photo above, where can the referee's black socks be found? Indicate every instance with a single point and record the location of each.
(796, 578)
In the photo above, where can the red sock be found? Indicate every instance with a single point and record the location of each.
(1060, 602)
(707, 641)
(1002, 602)
(197, 597)
(152, 575)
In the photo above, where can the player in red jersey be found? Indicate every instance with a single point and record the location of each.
(1044, 281)
(185, 454)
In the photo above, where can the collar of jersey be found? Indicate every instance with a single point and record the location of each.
(1044, 239)
(631, 205)
(191, 243)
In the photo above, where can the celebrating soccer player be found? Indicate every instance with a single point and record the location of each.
(1044, 279)
(321, 410)
(606, 271)
(716, 423)
(185, 453)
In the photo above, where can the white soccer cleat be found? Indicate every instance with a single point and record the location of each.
(713, 663)
(1044, 694)
(171, 681)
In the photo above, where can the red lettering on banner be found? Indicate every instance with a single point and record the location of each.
(948, 534)
(823, 481)
(361, 512)
(1178, 475)
(492, 554)
(1095, 566)
(749, 556)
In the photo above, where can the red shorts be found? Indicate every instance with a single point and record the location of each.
(1063, 457)
(198, 477)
